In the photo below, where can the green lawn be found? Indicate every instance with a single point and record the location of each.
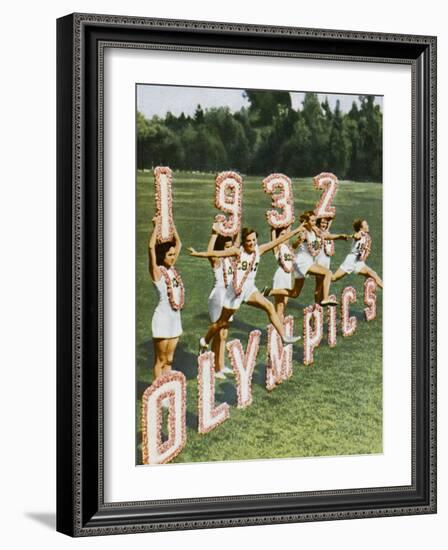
(333, 407)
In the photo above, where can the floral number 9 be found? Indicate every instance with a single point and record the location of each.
(228, 198)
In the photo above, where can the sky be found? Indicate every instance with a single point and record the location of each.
(158, 100)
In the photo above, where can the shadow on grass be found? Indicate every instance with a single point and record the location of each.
(259, 376)
(297, 354)
(236, 324)
(192, 420)
(184, 361)
(226, 392)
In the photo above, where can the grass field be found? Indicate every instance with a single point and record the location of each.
(333, 407)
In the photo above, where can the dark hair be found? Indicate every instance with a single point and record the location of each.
(319, 220)
(162, 250)
(278, 230)
(247, 231)
(357, 224)
(221, 240)
(306, 216)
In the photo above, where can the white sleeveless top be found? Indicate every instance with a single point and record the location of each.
(357, 246)
(244, 264)
(284, 252)
(310, 238)
(166, 322)
(218, 272)
(162, 291)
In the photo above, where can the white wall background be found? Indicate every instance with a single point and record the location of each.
(28, 300)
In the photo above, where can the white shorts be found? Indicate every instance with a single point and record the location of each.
(282, 279)
(302, 263)
(351, 264)
(323, 260)
(166, 323)
(232, 301)
(215, 302)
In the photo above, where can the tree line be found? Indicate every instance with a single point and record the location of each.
(268, 136)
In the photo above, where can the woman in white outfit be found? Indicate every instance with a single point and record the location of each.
(308, 247)
(326, 252)
(284, 254)
(222, 272)
(166, 320)
(359, 252)
(242, 288)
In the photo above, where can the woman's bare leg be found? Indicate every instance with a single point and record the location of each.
(215, 349)
(368, 272)
(319, 290)
(218, 348)
(280, 305)
(158, 356)
(289, 292)
(223, 333)
(256, 299)
(164, 349)
(170, 348)
(338, 275)
(222, 322)
(324, 273)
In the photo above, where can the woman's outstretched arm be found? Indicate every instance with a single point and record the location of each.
(233, 251)
(335, 237)
(276, 242)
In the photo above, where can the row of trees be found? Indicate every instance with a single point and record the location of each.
(268, 136)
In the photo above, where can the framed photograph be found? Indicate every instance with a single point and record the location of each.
(246, 274)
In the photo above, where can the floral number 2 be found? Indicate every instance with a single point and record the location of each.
(328, 184)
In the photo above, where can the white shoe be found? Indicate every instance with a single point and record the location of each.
(220, 375)
(290, 339)
(227, 370)
(203, 346)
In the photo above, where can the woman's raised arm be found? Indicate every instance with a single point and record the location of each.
(153, 268)
(211, 247)
(177, 241)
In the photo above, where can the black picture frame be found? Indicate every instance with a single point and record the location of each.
(81, 510)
